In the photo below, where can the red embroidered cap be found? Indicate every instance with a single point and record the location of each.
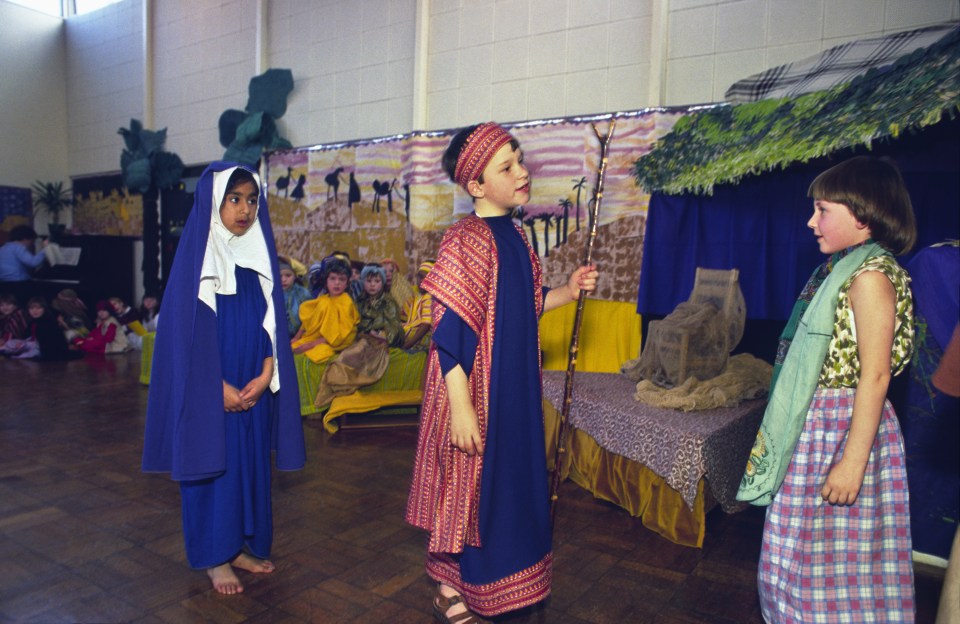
(479, 148)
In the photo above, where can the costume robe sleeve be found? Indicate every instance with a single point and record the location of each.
(456, 344)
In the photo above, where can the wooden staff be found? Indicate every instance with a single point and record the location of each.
(578, 320)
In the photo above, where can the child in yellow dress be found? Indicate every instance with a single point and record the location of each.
(329, 322)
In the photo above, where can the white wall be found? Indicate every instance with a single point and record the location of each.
(104, 83)
(356, 64)
(33, 101)
(353, 66)
(204, 58)
(531, 59)
(713, 44)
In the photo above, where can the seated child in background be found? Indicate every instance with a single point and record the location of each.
(149, 312)
(315, 280)
(379, 312)
(398, 286)
(329, 322)
(366, 360)
(356, 285)
(129, 319)
(417, 328)
(294, 294)
(13, 323)
(45, 340)
(72, 318)
(107, 337)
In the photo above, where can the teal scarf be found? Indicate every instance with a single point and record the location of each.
(804, 345)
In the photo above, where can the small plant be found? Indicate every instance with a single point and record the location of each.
(51, 197)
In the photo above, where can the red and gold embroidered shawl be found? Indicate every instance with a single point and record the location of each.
(445, 489)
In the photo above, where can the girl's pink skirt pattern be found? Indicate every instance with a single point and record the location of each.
(832, 563)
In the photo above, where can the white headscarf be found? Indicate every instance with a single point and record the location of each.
(226, 251)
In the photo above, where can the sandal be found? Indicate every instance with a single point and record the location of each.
(441, 604)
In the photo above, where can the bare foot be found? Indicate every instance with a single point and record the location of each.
(225, 581)
(252, 564)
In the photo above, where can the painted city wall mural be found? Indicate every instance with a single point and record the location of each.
(390, 197)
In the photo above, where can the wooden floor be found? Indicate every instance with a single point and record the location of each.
(86, 537)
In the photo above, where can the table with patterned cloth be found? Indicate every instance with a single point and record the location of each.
(683, 450)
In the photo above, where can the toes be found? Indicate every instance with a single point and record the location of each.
(249, 563)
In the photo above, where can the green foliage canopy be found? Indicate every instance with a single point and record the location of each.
(246, 134)
(143, 163)
(723, 144)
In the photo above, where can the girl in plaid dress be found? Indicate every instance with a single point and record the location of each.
(829, 456)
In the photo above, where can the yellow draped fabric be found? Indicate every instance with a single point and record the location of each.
(627, 483)
(609, 336)
(146, 357)
(361, 402)
(402, 292)
(403, 375)
(332, 318)
(421, 313)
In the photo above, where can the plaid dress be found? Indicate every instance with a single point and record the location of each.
(835, 563)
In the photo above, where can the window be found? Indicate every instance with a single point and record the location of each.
(50, 7)
(64, 8)
(85, 6)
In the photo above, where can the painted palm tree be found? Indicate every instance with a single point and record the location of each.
(578, 187)
(566, 204)
(529, 221)
(546, 218)
(147, 169)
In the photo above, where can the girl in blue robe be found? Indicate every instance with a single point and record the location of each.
(224, 393)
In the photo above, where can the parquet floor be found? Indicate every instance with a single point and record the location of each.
(86, 537)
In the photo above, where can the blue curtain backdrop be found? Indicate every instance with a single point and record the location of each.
(759, 225)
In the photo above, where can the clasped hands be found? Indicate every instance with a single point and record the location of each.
(240, 400)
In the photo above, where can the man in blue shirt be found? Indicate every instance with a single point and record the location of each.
(17, 259)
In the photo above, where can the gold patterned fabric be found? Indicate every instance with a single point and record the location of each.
(841, 368)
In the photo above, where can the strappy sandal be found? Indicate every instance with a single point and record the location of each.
(441, 604)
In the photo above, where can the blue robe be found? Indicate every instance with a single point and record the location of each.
(514, 513)
(222, 513)
(187, 431)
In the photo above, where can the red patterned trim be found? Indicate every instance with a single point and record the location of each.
(521, 589)
(479, 148)
(445, 487)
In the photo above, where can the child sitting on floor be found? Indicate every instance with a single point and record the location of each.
(72, 314)
(149, 312)
(107, 337)
(129, 319)
(417, 328)
(45, 340)
(329, 322)
(294, 294)
(13, 323)
(398, 286)
(365, 361)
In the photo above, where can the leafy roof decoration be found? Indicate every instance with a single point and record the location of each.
(723, 144)
(143, 162)
(247, 133)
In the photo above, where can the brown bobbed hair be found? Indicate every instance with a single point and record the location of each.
(873, 190)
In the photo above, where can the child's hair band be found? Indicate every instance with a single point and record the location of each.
(479, 148)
